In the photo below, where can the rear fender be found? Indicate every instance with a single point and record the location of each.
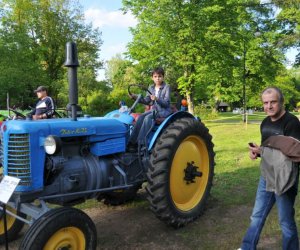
(166, 122)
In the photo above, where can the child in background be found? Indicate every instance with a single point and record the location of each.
(184, 105)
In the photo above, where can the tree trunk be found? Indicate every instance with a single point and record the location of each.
(189, 98)
(190, 89)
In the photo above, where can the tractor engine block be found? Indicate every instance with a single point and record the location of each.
(75, 174)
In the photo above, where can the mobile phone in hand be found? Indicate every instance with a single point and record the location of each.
(251, 144)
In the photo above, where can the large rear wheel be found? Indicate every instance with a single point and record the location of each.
(181, 172)
(61, 228)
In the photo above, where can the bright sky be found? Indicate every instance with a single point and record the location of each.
(107, 16)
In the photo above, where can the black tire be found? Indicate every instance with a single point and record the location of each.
(14, 226)
(61, 228)
(181, 172)
(120, 197)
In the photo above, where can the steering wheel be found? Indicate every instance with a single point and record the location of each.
(18, 114)
(138, 97)
(138, 86)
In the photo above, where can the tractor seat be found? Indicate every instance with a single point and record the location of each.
(159, 120)
(135, 116)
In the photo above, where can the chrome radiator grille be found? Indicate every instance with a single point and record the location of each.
(18, 158)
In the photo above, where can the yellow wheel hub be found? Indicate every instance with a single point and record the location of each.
(10, 220)
(66, 238)
(187, 194)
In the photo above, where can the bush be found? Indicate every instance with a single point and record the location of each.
(205, 112)
(98, 104)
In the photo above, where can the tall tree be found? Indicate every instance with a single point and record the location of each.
(116, 69)
(201, 41)
(40, 29)
(288, 18)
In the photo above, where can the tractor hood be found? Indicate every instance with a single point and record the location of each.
(99, 128)
(22, 144)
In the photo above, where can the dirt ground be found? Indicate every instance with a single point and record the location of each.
(134, 226)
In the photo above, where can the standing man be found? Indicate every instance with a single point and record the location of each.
(44, 108)
(277, 122)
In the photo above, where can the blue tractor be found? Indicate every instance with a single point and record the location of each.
(69, 160)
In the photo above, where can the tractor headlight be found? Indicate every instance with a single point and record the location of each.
(52, 144)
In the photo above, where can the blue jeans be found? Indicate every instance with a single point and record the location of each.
(142, 128)
(263, 204)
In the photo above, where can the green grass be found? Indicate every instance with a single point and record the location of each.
(229, 117)
(235, 173)
(5, 113)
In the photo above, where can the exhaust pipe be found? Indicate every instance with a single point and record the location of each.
(72, 64)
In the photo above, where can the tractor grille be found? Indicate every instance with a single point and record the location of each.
(18, 158)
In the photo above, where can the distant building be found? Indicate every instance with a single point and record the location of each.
(222, 107)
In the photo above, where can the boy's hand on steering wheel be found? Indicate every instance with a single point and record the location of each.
(153, 97)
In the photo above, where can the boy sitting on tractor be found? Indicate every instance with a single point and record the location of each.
(158, 97)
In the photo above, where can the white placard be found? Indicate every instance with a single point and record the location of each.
(7, 187)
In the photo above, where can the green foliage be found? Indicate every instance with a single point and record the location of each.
(206, 45)
(104, 100)
(33, 35)
(97, 104)
(205, 112)
(117, 72)
(233, 166)
(288, 19)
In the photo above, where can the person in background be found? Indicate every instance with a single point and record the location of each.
(278, 122)
(123, 107)
(44, 108)
(184, 105)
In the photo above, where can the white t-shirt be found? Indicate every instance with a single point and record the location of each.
(156, 91)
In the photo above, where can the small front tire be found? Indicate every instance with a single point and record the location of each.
(61, 228)
(14, 225)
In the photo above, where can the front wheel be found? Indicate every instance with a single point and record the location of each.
(181, 172)
(14, 225)
(61, 228)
